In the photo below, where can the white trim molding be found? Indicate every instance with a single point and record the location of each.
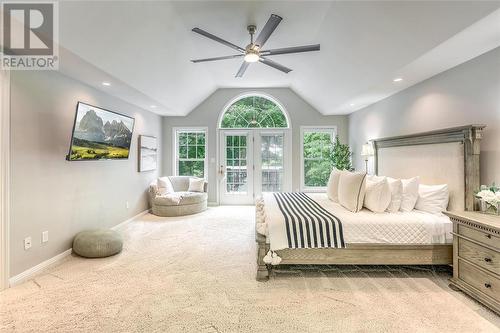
(33, 271)
(30, 273)
(4, 178)
(124, 223)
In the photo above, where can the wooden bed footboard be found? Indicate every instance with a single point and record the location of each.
(356, 254)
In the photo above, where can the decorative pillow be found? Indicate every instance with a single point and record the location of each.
(352, 190)
(377, 195)
(396, 186)
(332, 188)
(433, 198)
(196, 185)
(165, 185)
(410, 194)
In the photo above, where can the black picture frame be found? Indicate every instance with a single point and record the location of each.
(68, 156)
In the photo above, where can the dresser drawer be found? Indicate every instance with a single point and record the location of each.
(480, 280)
(480, 236)
(481, 256)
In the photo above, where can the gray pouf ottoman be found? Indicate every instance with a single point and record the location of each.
(97, 243)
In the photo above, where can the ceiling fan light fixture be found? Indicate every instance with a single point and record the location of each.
(254, 51)
(252, 55)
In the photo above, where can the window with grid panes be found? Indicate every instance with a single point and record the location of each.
(191, 153)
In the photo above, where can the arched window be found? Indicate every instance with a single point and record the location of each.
(254, 112)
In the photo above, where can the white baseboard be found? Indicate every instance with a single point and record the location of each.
(124, 223)
(212, 204)
(29, 273)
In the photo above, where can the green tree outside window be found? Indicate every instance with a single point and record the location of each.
(191, 153)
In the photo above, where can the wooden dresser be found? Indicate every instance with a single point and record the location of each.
(476, 256)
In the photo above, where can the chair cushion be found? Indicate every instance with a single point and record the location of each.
(164, 186)
(97, 243)
(187, 198)
(196, 184)
(173, 199)
(180, 183)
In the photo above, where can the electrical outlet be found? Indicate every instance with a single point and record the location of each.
(45, 237)
(27, 243)
(128, 205)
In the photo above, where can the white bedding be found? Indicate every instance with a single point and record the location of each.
(365, 227)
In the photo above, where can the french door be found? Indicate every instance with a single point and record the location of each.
(252, 162)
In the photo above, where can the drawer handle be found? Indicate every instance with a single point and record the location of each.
(487, 259)
(488, 236)
(487, 285)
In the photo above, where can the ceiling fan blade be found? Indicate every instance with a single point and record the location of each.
(218, 58)
(274, 64)
(242, 69)
(294, 49)
(268, 29)
(217, 39)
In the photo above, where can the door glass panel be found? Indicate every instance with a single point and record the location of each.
(272, 162)
(236, 164)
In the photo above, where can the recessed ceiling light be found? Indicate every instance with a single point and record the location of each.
(106, 84)
(153, 106)
(352, 104)
(398, 79)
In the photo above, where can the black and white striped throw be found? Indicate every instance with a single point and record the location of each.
(308, 224)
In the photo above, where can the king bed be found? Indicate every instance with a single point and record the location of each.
(308, 228)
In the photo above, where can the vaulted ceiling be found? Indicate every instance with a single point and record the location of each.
(143, 48)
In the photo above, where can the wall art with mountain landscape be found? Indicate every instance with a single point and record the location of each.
(99, 134)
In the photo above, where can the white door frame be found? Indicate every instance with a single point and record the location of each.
(4, 178)
(255, 151)
(236, 198)
(287, 158)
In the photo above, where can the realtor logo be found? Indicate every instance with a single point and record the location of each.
(29, 36)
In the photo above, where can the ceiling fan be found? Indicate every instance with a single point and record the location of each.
(253, 52)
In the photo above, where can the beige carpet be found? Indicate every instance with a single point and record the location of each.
(196, 274)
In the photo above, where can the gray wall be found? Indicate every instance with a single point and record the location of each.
(207, 114)
(49, 193)
(466, 94)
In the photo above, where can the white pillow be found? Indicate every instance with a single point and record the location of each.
(433, 198)
(196, 185)
(332, 188)
(410, 194)
(165, 185)
(396, 186)
(352, 190)
(377, 195)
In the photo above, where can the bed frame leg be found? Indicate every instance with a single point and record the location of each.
(262, 249)
(262, 274)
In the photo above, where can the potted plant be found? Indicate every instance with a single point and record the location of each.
(489, 199)
(341, 155)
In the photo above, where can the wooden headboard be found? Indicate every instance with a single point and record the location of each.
(447, 156)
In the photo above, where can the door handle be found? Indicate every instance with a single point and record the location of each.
(221, 170)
